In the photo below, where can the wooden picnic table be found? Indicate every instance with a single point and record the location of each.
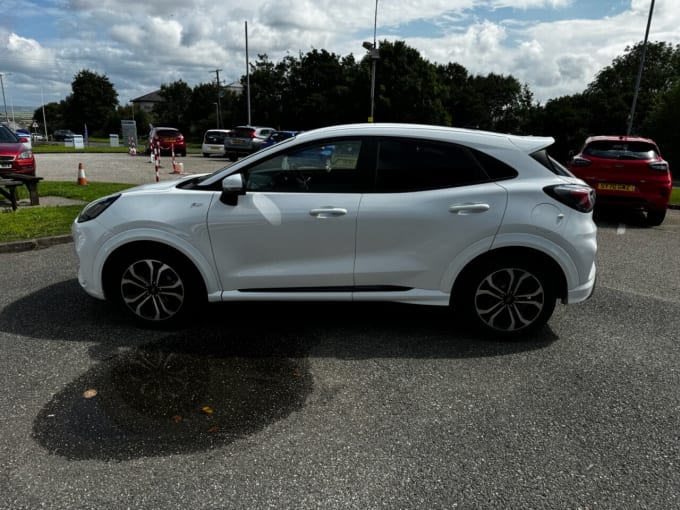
(10, 182)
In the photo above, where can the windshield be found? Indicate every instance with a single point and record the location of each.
(6, 136)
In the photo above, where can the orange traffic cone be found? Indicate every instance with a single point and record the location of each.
(82, 181)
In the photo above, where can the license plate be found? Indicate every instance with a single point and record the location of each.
(216, 147)
(238, 141)
(5, 165)
(615, 187)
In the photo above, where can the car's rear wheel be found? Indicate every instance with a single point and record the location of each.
(656, 217)
(156, 287)
(506, 297)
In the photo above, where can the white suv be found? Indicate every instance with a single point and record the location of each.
(486, 223)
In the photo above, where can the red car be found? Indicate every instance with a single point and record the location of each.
(626, 172)
(15, 157)
(169, 139)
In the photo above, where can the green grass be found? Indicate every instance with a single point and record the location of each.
(675, 196)
(34, 222)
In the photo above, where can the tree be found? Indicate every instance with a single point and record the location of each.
(611, 93)
(407, 87)
(662, 125)
(92, 102)
(174, 110)
(53, 117)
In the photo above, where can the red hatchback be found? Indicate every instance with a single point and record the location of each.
(626, 171)
(15, 157)
(168, 139)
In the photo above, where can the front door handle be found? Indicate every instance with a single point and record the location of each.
(463, 209)
(328, 212)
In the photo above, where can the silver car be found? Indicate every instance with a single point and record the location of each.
(245, 140)
(485, 223)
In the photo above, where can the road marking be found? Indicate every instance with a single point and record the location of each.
(621, 229)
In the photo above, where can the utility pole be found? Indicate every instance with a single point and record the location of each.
(219, 93)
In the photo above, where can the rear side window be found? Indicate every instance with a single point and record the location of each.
(551, 163)
(621, 149)
(412, 165)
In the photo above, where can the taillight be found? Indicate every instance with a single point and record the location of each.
(576, 196)
(659, 166)
(252, 134)
(579, 161)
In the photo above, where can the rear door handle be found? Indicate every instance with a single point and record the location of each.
(328, 212)
(463, 209)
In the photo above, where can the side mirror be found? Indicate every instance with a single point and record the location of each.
(232, 187)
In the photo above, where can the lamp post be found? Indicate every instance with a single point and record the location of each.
(2, 85)
(374, 55)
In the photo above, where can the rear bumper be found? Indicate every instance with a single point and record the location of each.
(583, 292)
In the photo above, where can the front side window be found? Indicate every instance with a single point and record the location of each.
(412, 165)
(315, 168)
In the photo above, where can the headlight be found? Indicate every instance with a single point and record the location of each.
(94, 209)
(25, 155)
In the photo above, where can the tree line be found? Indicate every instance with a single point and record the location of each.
(319, 88)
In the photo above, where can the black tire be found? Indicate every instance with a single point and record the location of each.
(158, 288)
(656, 217)
(233, 157)
(506, 297)
(206, 155)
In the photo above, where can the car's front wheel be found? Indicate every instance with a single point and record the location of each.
(506, 297)
(157, 287)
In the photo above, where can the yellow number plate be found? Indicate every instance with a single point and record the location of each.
(616, 187)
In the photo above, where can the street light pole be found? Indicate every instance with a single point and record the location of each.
(639, 76)
(374, 56)
(2, 84)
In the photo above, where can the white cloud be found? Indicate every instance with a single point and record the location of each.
(140, 45)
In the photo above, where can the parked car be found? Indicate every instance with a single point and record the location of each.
(486, 223)
(15, 156)
(169, 139)
(278, 136)
(627, 172)
(61, 135)
(213, 142)
(245, 140)
(25, 136)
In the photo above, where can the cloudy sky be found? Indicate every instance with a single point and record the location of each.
(555, 46)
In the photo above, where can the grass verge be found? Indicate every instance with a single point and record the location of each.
(34, 222)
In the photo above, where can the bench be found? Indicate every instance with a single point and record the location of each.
(31, 183)
(8, 189)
